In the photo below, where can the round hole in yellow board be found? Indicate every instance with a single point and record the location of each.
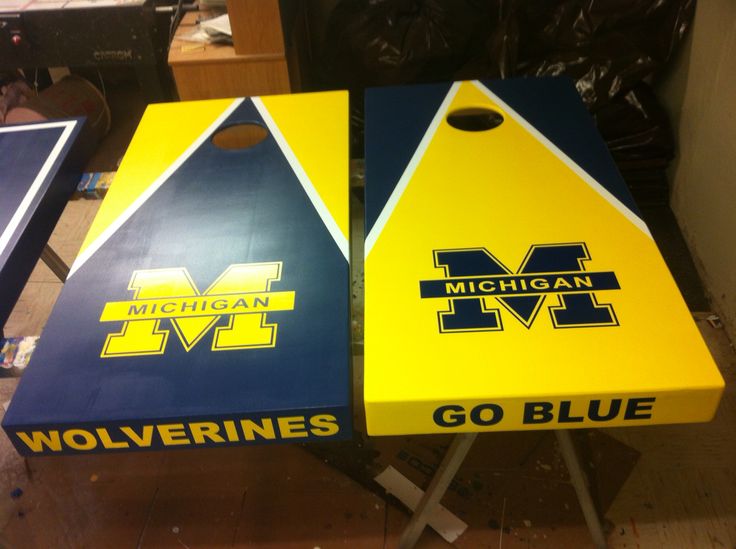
(474, 119)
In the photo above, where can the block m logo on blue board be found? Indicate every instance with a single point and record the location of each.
(242, 295)
(473, 275)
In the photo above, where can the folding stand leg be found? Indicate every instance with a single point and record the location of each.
(579, 482)
(437, 488)
(55, 263)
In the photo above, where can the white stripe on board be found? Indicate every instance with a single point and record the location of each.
(569, 162)
(314, 197)
(145, 195)
(35, 187)
(35, 126)
(411, 167)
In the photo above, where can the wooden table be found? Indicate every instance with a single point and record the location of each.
(510, 282)
(39, 170)
(209, 303)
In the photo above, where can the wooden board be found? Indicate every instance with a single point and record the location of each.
(217, 78)
(38, 174)
(510, 282)
(209, 303)
(256, 26)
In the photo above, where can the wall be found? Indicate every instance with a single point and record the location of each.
(700, 94)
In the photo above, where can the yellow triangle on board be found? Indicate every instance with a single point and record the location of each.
(184, 123)
(315, 125)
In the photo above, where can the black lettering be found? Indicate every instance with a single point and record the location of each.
(443, 419)
(565, 416)
(637, 408)
(476, 414)
(537, 412)
(594, 410)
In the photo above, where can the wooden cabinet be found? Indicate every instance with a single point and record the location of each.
(256, 66)
(256, 26)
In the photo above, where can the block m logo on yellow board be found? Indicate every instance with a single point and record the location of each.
(242, 293)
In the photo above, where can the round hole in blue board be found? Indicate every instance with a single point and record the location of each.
(474, 119)
(239, 136)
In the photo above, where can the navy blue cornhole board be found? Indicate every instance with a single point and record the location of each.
(209, 303)
(39, 170)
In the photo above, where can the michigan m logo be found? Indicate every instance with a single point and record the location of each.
(242, 294)
(473, 275)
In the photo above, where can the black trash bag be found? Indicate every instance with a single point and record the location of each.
(636, 127)
(608, 47)
(383, 42)
(639, 136)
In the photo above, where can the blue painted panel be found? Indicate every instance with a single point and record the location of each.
(219, 208)
(396, 120)
(31, 200)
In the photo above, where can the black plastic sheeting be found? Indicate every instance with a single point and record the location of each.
(637, 131)
(610, 48)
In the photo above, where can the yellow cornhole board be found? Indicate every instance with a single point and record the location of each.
(511, 283)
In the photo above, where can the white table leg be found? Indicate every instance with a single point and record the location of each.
(579, 482)
(437, 488)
